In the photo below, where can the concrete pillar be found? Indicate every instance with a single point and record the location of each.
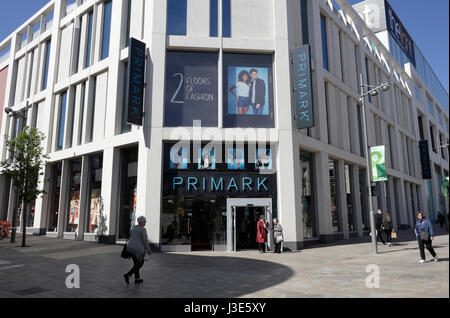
(322, 188)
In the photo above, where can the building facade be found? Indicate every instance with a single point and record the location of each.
(219, 143)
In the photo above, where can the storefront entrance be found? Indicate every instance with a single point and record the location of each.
(242, 219)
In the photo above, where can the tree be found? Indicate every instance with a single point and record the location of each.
(25, 166)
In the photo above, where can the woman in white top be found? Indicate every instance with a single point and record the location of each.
(243, 93)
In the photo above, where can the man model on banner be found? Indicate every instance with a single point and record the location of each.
(257, 93)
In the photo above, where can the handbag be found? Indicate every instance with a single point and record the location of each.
(424, 235)
(125, 253)
(394, 235)
(279, 239)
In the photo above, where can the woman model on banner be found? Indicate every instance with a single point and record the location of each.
(243, 92)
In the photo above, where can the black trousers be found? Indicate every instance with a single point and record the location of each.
(429, 245)
(137, 265)
(379, 236)
(278, 247)
(388, 235)
(262, 247)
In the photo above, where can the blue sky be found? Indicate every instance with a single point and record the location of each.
(426, 21)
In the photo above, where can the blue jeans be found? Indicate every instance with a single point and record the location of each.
(259, 111)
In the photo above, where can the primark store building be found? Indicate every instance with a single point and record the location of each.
(203, 115)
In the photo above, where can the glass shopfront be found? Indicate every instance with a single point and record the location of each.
(55, 196)
(308, 207)
(95, 189)
(128, 191)
(198, 183)
(334, 196)
(73, 219)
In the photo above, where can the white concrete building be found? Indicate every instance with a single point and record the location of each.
(68, 66)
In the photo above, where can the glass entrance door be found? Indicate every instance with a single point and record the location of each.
(242, 219)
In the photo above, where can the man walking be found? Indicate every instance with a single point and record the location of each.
(378, 225)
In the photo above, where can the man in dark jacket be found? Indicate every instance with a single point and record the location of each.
(257, 93)
(378, 224)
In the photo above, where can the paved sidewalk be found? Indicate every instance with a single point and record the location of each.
(322, 271)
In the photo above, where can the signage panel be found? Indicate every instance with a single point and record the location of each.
(304, 103)
(399, 33)
(425, 159)
(378, 157)
(136, 82)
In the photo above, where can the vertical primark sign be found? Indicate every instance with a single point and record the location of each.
(136, 82)
(303, 87)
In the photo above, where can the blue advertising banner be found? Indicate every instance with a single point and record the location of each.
(136, 80)
(304, 103)
(399, 33)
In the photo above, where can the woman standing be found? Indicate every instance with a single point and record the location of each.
(387, 227)
(278, 235)
(425, 236)
(261, 233)
(136, 247)
(243, 92)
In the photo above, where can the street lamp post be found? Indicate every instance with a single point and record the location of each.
(373, 91)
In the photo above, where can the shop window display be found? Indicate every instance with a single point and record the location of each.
(95, 206)
(74, 196)
(128, 195)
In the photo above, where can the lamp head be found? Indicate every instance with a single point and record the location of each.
(386, 87)
(8, 110)
(374, 93)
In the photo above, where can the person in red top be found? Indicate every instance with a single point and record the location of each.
(261, 235)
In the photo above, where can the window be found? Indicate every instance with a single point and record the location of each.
(54, 196)
(73, 217)
(324, 42)
(334, 196)
(368, 77)
(106, 30)
(433, 141)
(342, 52)
(46, 65)
(349, 196)
(360, 131)
(429, 106)
(177, 17)
(248, 91)
(89, 40)
(214, 18)
(226, 18)
(327, 111)
(61, 121)
(191, 89)
(308, 207)
(417, 91)
(125, 126)
(95, 196)
(304, 17)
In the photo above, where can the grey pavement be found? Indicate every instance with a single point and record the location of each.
(328, 271)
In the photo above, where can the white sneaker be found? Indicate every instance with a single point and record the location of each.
(436, 259)
(422, 261)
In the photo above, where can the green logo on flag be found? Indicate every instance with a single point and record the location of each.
(378, 163)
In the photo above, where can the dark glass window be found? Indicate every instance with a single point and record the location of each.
(334, 190)
(248, 91)
(226, 18)
(54, 197)
(324, 42)
(89, 40)
(61, 121)
(125, 126)
(46, 65)
(106, 30)
(308, 200)
(128, 192)
(191, 89)
(304, 17)
(214, 18)
(176, 17)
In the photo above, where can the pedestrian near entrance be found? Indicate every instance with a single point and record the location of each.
(378, 225)
(425, 236)
(136, 248)
(387, 228)
(278, 235)
(261, 235)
